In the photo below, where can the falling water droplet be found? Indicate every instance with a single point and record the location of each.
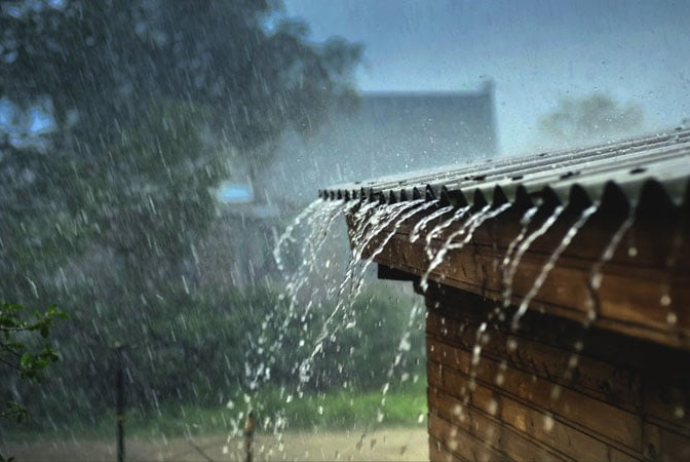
(556, 392)
(492, 408)
(672, 318)
(679, 412)
(500, 379)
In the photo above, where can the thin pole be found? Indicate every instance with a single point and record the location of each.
(120, 404)
(249, 436)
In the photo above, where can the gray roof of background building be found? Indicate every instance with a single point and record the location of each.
(390, 133)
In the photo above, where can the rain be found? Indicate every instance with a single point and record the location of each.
(308, 230)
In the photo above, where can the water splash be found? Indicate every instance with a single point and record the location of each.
(481, 337)
(424, 222)
(593, 285)
(522, 249)
(367, 227)
(550, 264)
(315, 221)
(509, 256)
(287, 234)
(596, 272)
(438, 229)
(387, 217)
(468, 229)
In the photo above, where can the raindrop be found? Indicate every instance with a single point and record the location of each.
(672, 318)
(679, 412)
(492, 407)
(556, 392)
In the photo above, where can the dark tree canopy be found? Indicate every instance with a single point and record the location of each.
(151, 103)
(107, 59)
(152, 99)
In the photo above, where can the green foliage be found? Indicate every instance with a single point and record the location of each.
(18, 349)
(209, 349)
(133, 84)
(591, 119)
(153, 100)
(339, 410)
(342, 410)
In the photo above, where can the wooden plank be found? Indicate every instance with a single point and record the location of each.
(627, 296)
(586, 413)
(620, 350)
(612, 383)
(460, 443)
(560, 440)
(629, 303)
(652, 236)
(664, 445)
(645, 375)
(668, 405)
(439, 453)
(507, 440)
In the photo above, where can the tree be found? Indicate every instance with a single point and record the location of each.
(152, 101)
(591, 119)
(17, 354)
(117, 73)
(19, 357)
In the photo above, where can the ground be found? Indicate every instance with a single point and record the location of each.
(382, 445)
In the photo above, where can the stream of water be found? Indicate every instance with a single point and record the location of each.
(372, 226)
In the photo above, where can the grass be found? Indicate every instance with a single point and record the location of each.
(405, 407)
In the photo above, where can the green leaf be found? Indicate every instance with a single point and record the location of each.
(26, 361)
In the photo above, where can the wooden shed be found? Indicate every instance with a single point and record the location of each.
(557, 289)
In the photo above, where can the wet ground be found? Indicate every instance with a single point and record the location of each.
(383, 445)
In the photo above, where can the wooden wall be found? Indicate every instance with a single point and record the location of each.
(553, 391)
(629, 299)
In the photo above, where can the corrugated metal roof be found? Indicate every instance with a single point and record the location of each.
(636, 170)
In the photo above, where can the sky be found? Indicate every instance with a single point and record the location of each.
(536, 51)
